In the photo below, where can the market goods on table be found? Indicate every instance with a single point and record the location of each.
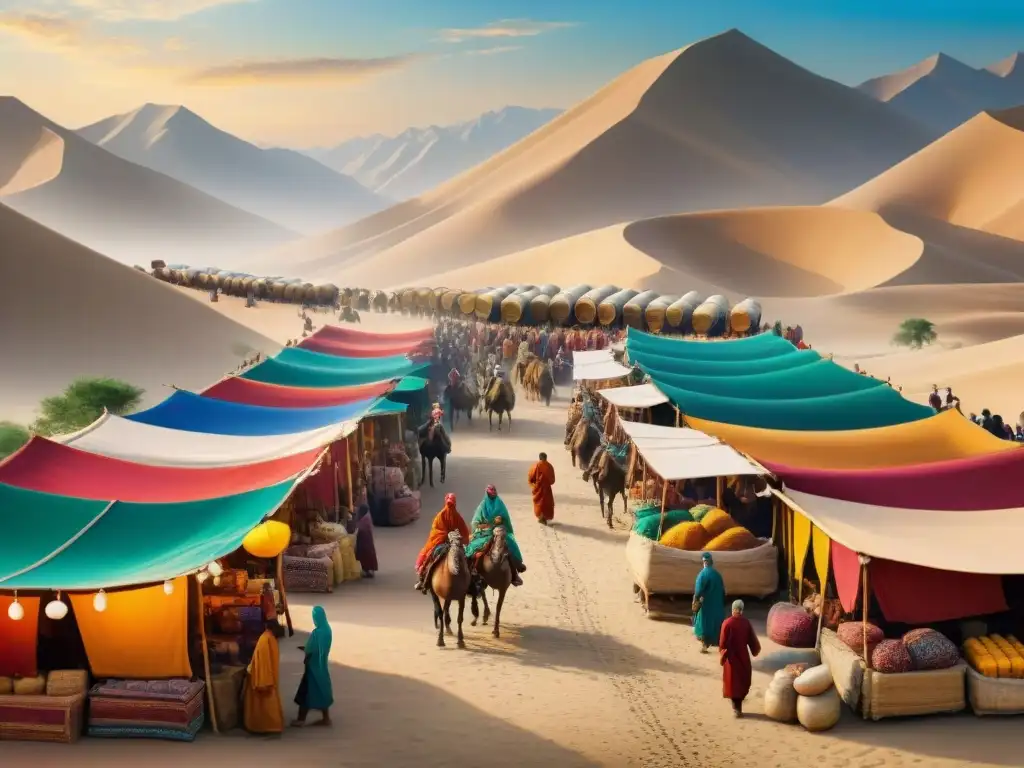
(735, 539)
(994, 696)
(716, 522)
(791, 626)
(814, 681)
(914, 693)
(818, 713)
(995, 656)
(687, 536)
(780, 697)
(700, 511)
(891, 656)
(852, 634)
(647, 525)
(930, 649)
(30, 686)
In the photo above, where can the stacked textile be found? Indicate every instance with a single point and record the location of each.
(147, 709)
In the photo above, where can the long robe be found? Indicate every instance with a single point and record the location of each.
(366, 551)
(707, 624)
(315, 690)
(445, 521)
(490, 513)
(541, 478)
(261, 702)
(737, 643)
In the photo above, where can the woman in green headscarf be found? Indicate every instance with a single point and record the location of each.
(491, 513)
(708, 604)
(315, 690)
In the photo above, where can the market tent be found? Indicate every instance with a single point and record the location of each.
(758, 347)
(654, 364)
(121, 438)
(249, 392)
(410, 384)
(640, 396)
(195, 413)
(389, 367)
(50, 467)
(640, 432)
(686, 454)
(385, 407)
(591, 356)
(89, 545)
(989, 481)
(369, 337)
(946, 435)
(817, 379)
(274, 371)
(877, 407)
(595, 365)
(362, 349)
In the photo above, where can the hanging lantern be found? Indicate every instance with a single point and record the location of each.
(99, 602)
(168, 587)
(56, 609)
(267, 539)
(202, 576)
(15, 611)
(215, 569)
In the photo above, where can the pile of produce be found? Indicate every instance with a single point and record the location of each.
(930, 649)
(703, 528)
(648, 521)
(791, 626)
(891, 657)
(918, 650)
(817, 704)
(852, 634)
(995, 656)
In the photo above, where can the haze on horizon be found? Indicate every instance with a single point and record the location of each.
(307, 73)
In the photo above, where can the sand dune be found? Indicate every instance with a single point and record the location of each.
(124, 210)
(279, 185)
(722, 123)
(69, 312)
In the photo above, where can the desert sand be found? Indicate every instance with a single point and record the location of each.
(579, 677)
(123, 210)
(69, 312)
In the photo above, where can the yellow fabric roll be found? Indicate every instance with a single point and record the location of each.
(821, 545)
(947, 435)
(143, 633)
(801, 543)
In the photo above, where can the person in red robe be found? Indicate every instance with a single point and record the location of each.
(737, 643)
(541, 477)
(445, 521)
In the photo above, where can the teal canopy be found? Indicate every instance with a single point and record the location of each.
(410, 384)
(757, 347)
(816, 379)
(384, 407)
(274, 371)
(660, 364)
(58, 542)
(869, 408)
(394, 365)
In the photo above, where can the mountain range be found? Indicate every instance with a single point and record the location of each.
(419, 159)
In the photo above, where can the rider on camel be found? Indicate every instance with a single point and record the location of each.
(445, 521)
(492, 512)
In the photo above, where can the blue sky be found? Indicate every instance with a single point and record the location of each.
(303, 72)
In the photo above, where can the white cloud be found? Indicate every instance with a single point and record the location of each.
(63, 34)
(501, 29)
(297, 70)
(154, 10)
(493, 51)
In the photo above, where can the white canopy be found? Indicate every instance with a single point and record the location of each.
(640, 396)
(592, 356)
(684, 454)
(982, 541)
(597, 365)
(121, 438)
(644, 433)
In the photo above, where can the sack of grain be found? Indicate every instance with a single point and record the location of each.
(735, 539)
(818, 713)
(716, 522)
(67, 682)
(797, 669)
(852, 634)
(30, 686)
(6, 685)
(648, 525)
(700, 511)
(791, 626)
(780, 698)
(929, 649)
(687, 536)
(814, 681)
(891, 656)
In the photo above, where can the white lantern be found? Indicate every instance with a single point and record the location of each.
(99, 602)
(15, 611)
(215, 568)
(216, 581)
(168, 587)
(56, 609)
(202, 576)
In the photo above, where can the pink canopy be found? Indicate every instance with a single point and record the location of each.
(49, 467)
(989, 481)
(329, 346)
(366, 338)
(250, 392)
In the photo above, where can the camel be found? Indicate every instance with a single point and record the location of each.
(449, 581)
(434, 444)
(536, 378)
(493, 571)
(461, 399)
(609, 477)
(501, 399)
(585, 440)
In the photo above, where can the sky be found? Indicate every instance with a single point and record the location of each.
(306, 73)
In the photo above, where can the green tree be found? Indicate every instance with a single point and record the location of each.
(83, 402)
(12, 437)
(915, 332)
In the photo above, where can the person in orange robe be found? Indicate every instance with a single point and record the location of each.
(445, 521)
(738, 642)
(261, 704)
(541, 478)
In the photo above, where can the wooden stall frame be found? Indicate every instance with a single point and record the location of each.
(348, 473)
(210, 702)
(279, 568)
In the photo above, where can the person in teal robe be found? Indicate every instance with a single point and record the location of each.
(708, 604)
(315, 690)
(490, 513)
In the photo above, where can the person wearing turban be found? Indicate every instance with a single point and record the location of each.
(445, 521)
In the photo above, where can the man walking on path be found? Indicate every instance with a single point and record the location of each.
(541, 478)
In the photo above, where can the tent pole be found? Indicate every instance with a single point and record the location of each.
(279, 570)
(348, 473)
(823, 590)
(865, 602)
(664, 500)
(210, 702)
(719, 482)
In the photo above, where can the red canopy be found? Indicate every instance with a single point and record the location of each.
(43, 465)
(989, 481)
(249, 392)
(369, 337)
(341, 348)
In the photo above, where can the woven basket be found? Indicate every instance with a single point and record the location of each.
(30, 686)
(914, 693)
(67, 682)
(994, 696)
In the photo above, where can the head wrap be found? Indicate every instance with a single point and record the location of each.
(437, 413)
(449, 499)
(737, 606)
(706, 557)
(491, 490)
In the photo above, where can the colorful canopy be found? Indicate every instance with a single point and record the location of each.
(759, 347)
(325, 344)
(410, 384)
(946, 435)
(238, 390)
(54, 468)
(385, 407)
(274, 371)
(195, 413)
(989, 481)
(876, 407)
(640, 396)
(654, 364)
(58, 542)
(341, 333)
(134, 441)
(389, 367)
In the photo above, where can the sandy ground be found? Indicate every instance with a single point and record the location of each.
(579, 676)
